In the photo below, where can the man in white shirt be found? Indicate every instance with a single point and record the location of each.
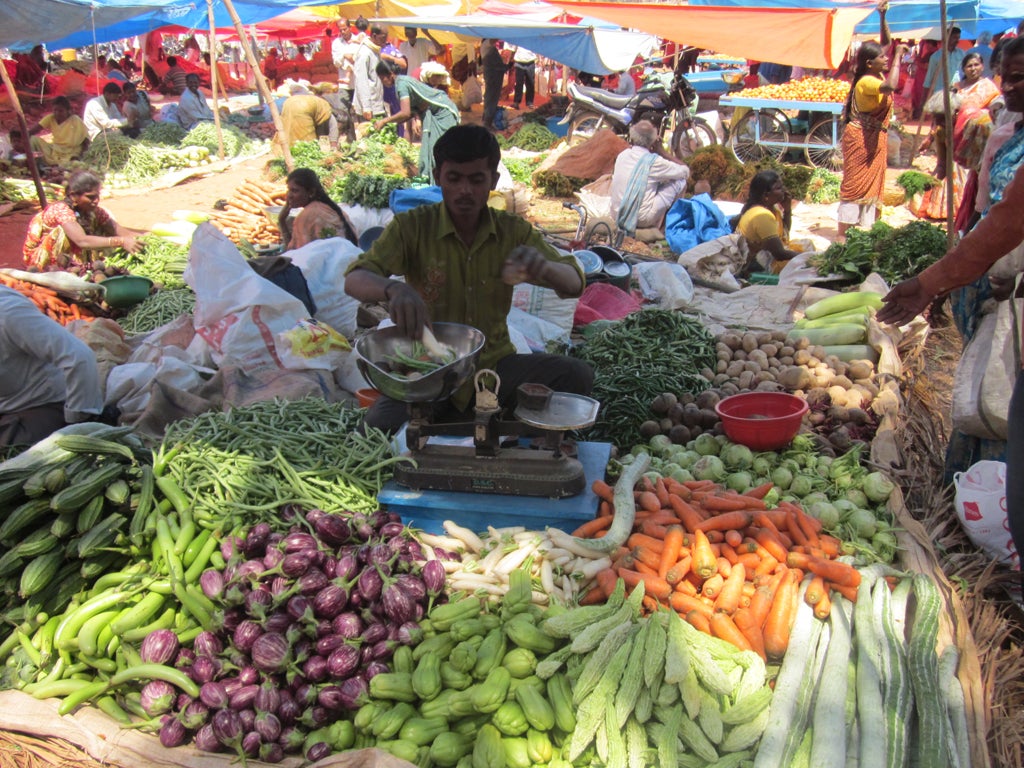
(954, 58)
(524, 64)
(49, 378)
(368, 101)
(416, 51)
(665, 179)
(192, 106)
(102, 114)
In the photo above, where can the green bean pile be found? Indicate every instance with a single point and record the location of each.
(158, 309)
(165, 134)
(108, 152)
(638, 358)
(249, 461)
(236, 143)
(160, 260)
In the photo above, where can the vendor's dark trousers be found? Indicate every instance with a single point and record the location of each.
(562, 374)
(28, 427)
(1015, 467)
(492, 93)
(525, 74)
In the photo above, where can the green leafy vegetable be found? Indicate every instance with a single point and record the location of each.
(894, 253)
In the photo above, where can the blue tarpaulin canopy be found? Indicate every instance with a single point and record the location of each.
(590, 49)
(78, 23)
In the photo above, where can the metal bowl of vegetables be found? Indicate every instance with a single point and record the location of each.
(403, 368)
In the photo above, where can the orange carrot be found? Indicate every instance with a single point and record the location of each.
(593, 596)
(850, 593)
(751, 630)
(815, 590)
(662, 517)
(603, 491)
(716, 538)
(770, 541)
(675, 488)
(836, 572)
(823, 607)
(643, 540)
(678, 571)
(729, 595)
(735, 520)
(734, 539)
(649, 557)
(604, 509)
(699, 485)
(644, 568)
(724, 628)
(686, 587)
(649, 604)
(830, 545)
(760, 492)
(779, 622)
(648, 502)
(728, 553)
(606, 580)
(797, 560)
(687, 514)
(652, 529)
(653, 585)
(767, 565)
(712, 586)
(749, 560)
(704, 563)
(645, 484)
(661, 491)
(731, 502)
(793, 526)
(699, 621)
(591, 528)
(724, 567)
(670, 554)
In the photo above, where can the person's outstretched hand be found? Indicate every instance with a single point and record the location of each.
(524, 265)
(904, 302)
(407, 309)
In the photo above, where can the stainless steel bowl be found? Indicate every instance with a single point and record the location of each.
(373, 349)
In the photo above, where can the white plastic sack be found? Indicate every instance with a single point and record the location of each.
(545, 304)
(535, 332)
(981, 506)
(323, 264)
(472, 93)
(987, 372)
(362, 218)
(239, 313)
(665, 283)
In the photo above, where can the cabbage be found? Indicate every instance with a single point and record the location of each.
(857, 496)
(863, 523)
(877, 487)
(709, 468)
(660, 445)
(782, 478)
(763, 463)
(685, 459)
(800, 486)
(681, 475)
(737, 456)
(825, 512)
(741, 482)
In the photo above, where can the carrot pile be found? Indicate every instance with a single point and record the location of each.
(243, 217)
(722, 560)
(49, 301)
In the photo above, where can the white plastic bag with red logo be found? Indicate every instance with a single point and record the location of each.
(981, 506)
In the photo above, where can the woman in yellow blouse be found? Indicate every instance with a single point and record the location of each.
(765, 220)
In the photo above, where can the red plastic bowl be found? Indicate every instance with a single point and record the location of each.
(762, 421)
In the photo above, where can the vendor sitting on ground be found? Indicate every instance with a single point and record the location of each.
(102, 112)
(645, 183)
(173, 82)
(137, 109)
(765, 221)
(69, 137)
(49, 378)
(424, 100)
(320, 218)
(64, 231)
(451, 255)
(192, 106)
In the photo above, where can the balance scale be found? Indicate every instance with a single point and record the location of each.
(521, 455)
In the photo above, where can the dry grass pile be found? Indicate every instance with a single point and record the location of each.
(19, 750)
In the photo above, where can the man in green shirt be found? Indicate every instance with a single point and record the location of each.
(461, 260)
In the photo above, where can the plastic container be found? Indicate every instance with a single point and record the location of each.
(614, 266)
(367, 396)
(762, 421)
(123, 291)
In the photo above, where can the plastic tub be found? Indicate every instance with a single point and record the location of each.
(124, 291)
(762, 421)
(367, 396)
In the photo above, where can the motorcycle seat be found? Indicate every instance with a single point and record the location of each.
(602, 96)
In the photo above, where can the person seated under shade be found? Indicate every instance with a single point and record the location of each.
(69, 137)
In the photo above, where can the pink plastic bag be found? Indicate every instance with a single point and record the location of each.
(603, 301)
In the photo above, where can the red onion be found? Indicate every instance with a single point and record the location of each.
(159, 647)
(172, 732)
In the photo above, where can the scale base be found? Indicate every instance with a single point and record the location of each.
(515, 471)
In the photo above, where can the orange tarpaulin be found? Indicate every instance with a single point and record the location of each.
(815, 37)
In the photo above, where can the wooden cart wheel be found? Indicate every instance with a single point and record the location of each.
(824, 147)
(747, 138)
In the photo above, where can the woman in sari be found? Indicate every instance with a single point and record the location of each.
(68, 135)
(64, 232)
(866, 118)
(320, 218)
(979, 103)
(764, 223)
(1003, 156)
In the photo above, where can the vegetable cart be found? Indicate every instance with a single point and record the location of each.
(764, 129)
(719, 62)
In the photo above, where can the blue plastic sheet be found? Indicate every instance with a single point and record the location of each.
(691, 222)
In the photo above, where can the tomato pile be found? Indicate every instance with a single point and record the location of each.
(804, 89)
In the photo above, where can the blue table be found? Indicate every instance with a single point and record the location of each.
(427, 510)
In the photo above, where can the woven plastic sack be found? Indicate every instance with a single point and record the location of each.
(981, 506)
(603, 301)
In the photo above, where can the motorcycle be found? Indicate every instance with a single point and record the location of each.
(664, 99)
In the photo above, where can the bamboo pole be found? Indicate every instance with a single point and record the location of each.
(30, 157)
(948, 123)
(261, 85)
(214, 79)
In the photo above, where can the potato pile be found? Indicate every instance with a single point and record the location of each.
(839, 393)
